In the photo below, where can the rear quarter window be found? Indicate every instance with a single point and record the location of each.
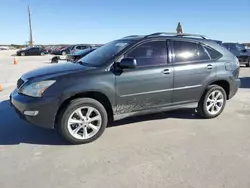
(214, 54)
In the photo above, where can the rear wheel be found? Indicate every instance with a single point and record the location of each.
(42, 53)
(22, 54)
(83, 121)
(248, 62)
(213, 102)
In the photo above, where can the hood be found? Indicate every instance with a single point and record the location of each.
(247, 53)
(56, 70)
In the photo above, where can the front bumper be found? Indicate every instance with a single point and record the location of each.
(243, 58)
(47, 109)
(234, 86)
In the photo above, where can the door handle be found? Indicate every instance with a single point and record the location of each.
(209, 66)
(166, 71)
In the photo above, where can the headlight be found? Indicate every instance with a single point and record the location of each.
(36, 89)
(237, 62)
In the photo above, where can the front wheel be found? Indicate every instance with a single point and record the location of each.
(83, 121)
(213, 102)
(42, 53)
(54, 60)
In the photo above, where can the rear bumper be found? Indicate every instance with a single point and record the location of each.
(234, 86)
(46, 107)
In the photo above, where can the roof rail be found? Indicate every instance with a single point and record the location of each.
(176, 35)
(132, 36)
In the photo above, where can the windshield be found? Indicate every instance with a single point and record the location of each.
(104, 53)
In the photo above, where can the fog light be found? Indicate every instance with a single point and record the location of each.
(30, 113)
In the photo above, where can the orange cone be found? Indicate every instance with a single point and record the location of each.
(1, 88)
(15, 61)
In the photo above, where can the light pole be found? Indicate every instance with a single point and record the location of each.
(31, 37)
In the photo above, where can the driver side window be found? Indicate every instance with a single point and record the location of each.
(149, 53)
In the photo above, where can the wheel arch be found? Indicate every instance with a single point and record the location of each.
(222, 83)
(97, 95)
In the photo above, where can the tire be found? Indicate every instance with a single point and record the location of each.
(23, 54)
(205, 102)
(54, 60)
(64, 53)
(42, 54)
(248, 62)
(82, 136)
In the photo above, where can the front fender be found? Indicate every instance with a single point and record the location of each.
(103, 83)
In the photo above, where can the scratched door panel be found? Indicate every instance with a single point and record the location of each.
(144, 88)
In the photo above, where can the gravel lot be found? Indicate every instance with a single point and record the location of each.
(168, 150)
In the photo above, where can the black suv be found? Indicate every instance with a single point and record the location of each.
(31, 51)
(130, 76)
(240, 51)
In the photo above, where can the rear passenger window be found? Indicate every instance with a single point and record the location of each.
(214, 54)
(188, 51)
(203, 55)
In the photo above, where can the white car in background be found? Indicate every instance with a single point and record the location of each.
(247, 47)
(4, 48)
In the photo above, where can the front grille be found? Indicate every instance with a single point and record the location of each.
(19, 83)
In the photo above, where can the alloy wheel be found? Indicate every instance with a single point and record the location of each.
(215, 102)
(84, 123)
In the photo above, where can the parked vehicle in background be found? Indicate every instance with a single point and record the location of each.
(51, 48)
(78, 47)
(73, 57)
(126, 77)
(31, 51)
(61, 50)
(240, 51)
(4, 48)
(79, 54)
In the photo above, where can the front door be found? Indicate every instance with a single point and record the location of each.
(33, 51)
(150, 84)
(193, 68)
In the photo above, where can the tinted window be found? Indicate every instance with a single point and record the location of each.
(150, 53)
(213, 53)
(202, 53)
(227, 46)
(233, 47)
(188, 51)
(81, 47)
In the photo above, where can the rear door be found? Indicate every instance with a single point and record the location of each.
(193, 68)
(150, 84)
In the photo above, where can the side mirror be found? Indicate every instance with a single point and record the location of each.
(128, 63)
